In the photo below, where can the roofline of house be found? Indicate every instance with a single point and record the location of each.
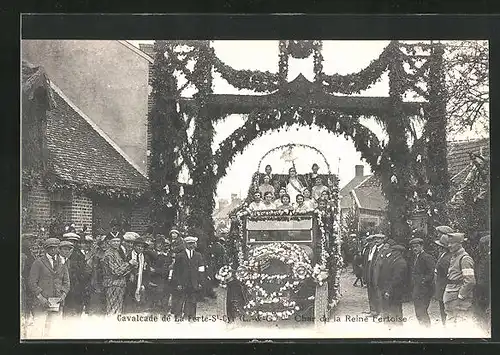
(137, 51)
(97, 129)
(356, 198)
(362, 182)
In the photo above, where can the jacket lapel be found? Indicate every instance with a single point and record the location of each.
(47, 264)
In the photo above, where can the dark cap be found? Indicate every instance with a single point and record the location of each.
(398, 247)
(140, 240)
(416, 241)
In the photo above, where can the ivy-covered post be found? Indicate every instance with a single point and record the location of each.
(395, 173)
(165, 142)
(201, 202)
(437, 166)
(283, 63)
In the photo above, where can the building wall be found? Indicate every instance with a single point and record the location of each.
(81, 212)
(35, 207)
(106, 80)
(139, 220)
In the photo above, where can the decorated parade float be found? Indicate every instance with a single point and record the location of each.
(282, 264)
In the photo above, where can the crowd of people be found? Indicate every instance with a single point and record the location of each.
(299, 193)
(393, 275)
(116, 273)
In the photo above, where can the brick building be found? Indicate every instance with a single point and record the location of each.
(83, 177)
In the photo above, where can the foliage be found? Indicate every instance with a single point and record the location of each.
(466, 66)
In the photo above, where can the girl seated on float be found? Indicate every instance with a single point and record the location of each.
(266, 187)
(311, 177)
(282, 192)
(285, 203)
(257, 203)
(318, 189)
(268, 201)
(308, 200)
(301, 206)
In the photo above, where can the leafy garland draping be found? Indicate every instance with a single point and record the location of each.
(245, 264)
(261, 122)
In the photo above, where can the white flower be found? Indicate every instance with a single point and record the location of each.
(419, 158)
(257, 127)
(394, 179)
(429, 192)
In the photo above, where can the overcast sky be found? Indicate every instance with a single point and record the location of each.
(341, 57)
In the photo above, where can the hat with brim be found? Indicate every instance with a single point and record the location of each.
(130, 236)
(456, 237)
(173, 230)
(398, 247)
(443, 241)
(369, 238)
(416, 241)
(140, 240)
(444, 229)
(51, 242)
(71, 236)
(379, 236)
(190, 239)
(66, 244)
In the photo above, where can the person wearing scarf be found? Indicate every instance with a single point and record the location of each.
(294, 186)
(135, 300)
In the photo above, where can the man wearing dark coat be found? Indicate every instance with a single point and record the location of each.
(187, 279)
(374, 297)
(441, 270)
(422, 277)
(27, 259)
(49, 283)
(392, 283)
(79, 273)
(161, 260)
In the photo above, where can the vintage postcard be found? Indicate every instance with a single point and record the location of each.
(255, 189)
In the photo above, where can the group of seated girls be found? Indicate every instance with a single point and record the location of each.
(294, 193)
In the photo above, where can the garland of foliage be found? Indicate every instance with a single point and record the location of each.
(261, 122)
(165, 121)
(201, 201)
(394, 173)
(283, 63)
(245, 267)
(436, 127)
(300, 49)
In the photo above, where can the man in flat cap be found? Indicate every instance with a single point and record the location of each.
(27, 260)
(187, 277)
(176, 240)
(161, 260)
(422, 277)
(79, 273)
(115, 272)
(392, 282)
(441, 269)
(458, 293)
(373, 295)
(49, 283)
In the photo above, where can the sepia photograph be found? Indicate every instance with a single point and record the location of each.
(255, 189)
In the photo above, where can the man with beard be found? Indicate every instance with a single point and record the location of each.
(161, 259)
(459, 290)
(187, 276)
(115, 272)
(422, 276)
(373, 294)
(79, 272)
(392, 283)
(441, 270)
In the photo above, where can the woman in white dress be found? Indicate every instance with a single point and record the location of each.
(268, 201)
(294, 186)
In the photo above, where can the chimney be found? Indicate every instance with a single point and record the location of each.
(359, 170)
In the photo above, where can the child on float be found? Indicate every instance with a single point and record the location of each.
(268, 201)
(308, 200)
(266, 186)
(285, 203)
(301, 206)
(282, 193)
(318, 189)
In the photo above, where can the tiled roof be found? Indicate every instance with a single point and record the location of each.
(458, 156)
(147, 48)
(368, 188)
(79, 154)
(345, 200)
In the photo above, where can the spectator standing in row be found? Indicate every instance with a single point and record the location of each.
(458, 293)
(392, 282)
(422, 277)
(441, 270)
(49, 283)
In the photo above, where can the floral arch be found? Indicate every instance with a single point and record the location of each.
(300, 101)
